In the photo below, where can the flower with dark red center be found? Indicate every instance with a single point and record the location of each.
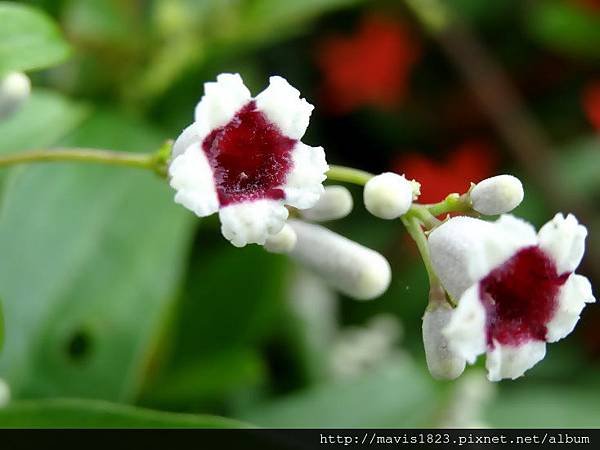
(243, 157)
(515, 289)
(371, 67)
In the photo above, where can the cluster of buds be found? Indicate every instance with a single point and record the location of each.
(497, 288)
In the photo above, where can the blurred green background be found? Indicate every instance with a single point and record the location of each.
(123, 309)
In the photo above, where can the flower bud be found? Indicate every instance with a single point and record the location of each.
(443, 364)
(353, 269)
(4, 393)
(497, 195)
(389, 195)
(14, 90)
(335, 202)
(282, 242)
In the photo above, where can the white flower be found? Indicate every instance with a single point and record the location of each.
(516, 289)
(497, 195)
(389, 195)
(353, 269)
(243, 157)
(335, 203)
(14, 90)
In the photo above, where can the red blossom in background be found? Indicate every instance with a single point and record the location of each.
(472, 161)
(371, 67)
(591, 103)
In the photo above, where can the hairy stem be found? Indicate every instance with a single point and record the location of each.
(150, 161)
(413, 226)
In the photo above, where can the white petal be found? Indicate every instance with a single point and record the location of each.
(464, 250)
(187, 137)
(507, 361)
(304, 183)
(466, 332)
(335, 203)
(282, 105)
(563, 239)
(572, 297)
(252, 222)
(353, 269)
(221, 101)
(442, 362)
(191, 176)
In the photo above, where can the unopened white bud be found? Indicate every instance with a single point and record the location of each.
(14, 90)
(497, 195)
(353, 269)
(335, 202)
(443, 364)
(282, 242)
(389, 195)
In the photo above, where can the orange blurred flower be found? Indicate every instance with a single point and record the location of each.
(591, 103)
(472, 161)
(371, 67)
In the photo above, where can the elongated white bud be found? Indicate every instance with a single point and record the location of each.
(497, 195)
(389, 195)
(282, 242)
(443, 364)
(335, 202)
(353, 269)
(14, 90)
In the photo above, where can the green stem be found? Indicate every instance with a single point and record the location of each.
(150, 161)
(452, 203)
(413, 226)
(348, 175)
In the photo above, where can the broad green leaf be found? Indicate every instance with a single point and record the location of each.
(1, 325)
(396, 394)
(91, 259)
(79, 413)
(30, 126)
(231, 302)
(549, 406)
(210, 378)
(29, 39)
(565, 27)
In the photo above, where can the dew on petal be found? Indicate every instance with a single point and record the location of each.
(249, 156)
(521, 297)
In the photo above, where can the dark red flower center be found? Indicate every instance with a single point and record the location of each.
(249, 156)
(521, 297)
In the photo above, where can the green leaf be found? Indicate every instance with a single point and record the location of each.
(79, 413)
(397, 394)
(231, 302)
(28, 128)
(91, 259)
(565, 27)
(29, 39)
(209, 378)
(534, 406)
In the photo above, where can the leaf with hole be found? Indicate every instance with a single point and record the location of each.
(91, 259)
